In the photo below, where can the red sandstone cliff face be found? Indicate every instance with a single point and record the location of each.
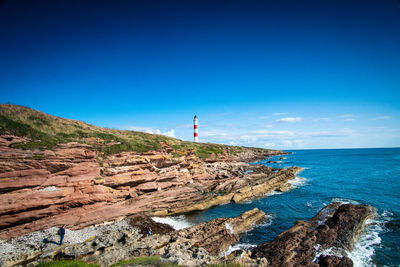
(73, 185)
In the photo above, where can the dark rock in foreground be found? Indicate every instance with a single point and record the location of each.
(332, 260)
(337, 225)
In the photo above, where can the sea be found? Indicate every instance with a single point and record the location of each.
(370, 176)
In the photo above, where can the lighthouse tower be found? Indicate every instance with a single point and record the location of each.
(196, 129)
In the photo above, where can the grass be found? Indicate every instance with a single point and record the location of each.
(66, 263)
(46, 131)
(147, 260)
(227, 264)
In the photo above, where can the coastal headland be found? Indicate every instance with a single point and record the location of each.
(55, 171)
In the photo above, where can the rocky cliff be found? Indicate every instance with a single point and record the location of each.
(70, 184)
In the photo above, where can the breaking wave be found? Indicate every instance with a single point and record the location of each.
(298, 181)
(177, 222)
(244, 246)
(364, 248)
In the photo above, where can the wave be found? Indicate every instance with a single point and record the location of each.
(177, 222)
(298, 181)
(397, 157)
(244, 246)
(364, 248)
(272, 193)
(229, 227)
(346, 201)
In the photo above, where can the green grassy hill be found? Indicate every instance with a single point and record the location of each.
(46, 131)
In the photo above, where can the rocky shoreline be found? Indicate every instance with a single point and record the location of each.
(74, 185)
(337, 226)
(106, 201)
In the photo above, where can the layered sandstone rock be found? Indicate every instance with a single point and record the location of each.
(74, 185)
(337, 225)
(217, 235)
(105, 245)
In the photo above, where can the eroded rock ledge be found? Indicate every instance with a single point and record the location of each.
(194, 246)
(74, 185)
(337, 225)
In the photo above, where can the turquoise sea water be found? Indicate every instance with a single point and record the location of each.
(370, 176)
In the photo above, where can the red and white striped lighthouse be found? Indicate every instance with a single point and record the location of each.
(196, 129)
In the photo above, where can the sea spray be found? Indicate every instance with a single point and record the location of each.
(244, 246)
(229, 227)
(364, 248)
(177, 222)
(298, 181)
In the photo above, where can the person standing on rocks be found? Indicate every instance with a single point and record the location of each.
(61, 232)
(148, 230)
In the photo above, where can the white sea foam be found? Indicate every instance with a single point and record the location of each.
(364, 248)
(177, 222)
(298, 181)
(268, 221)
(244, 246)
(346, 201)
(274, 193)
(329, 251)
(229, 227)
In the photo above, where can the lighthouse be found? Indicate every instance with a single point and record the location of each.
(196, 129)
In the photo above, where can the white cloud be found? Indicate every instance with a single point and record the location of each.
(382, 118)
(138, 128)
(213, 133)
(290, 119)
(268, 126)
(267, 133)
(292, 143)
(170, 133)
(321, 119)
(348, 117)
(279, 114)
(249, 138)
(269, 144)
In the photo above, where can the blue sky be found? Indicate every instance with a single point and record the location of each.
(277, 74)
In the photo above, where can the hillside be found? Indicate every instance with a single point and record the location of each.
(46, 131)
